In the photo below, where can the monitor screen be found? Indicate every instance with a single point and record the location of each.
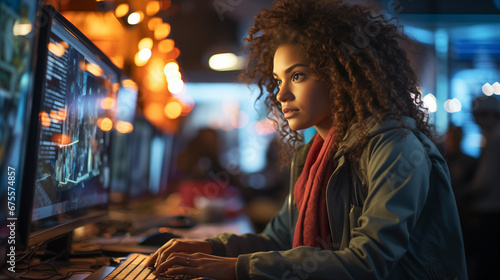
(122, 139)
(69, 153)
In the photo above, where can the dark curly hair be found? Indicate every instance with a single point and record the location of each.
(356, 54)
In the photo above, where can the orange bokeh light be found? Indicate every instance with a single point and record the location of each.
(173, 110)
(166, 45)
(107, 103)
(174, 54)
(44, 119)
(128, 83)
(61, 139)
(145, 43)
(171, 66)
(139, 62)
(94, 69)
(124, 127)
(55, 116)
(106, 124)
(154, 112)
(152, 8)
(56, 49)
(162, 31)
(165, 4)
(154, 22)
(62, 113)
(121, 10)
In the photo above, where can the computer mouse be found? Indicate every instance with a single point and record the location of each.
(180, 221)
(157, 239)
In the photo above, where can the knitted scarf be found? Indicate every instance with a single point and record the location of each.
(312, 227)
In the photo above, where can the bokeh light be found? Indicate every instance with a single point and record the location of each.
(173, 110)
(121, 10)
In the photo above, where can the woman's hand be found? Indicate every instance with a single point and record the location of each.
(178, 245)
(199, 264)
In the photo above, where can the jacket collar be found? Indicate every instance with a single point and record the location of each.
(374, 127)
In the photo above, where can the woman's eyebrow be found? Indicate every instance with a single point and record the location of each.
(289, 69)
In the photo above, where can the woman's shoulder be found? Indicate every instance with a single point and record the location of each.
(394, 137)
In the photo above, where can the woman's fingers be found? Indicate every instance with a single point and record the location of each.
(154, 258)
(198, 264)
(178, 245)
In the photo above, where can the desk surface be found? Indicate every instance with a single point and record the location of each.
(85, 265)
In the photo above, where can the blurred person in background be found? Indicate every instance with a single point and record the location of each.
(370, 194)
(483, 194)
(462, 169)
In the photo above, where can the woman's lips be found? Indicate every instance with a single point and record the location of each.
(290, 112)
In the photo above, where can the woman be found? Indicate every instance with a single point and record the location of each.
(370, 196)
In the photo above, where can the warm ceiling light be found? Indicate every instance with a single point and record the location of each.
(139, 62)
(145, 54)
(154, 22)
(162, 31)
(152, 8)
(175, 85)
(170, 66)
(145, 43)
(121, 10)
(135, 18)
(173, 110)
(225, 62)
(166, 45)
(173, 74)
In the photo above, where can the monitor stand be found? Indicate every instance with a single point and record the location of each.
(59, 246)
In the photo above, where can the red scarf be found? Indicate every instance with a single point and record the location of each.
(312, 227)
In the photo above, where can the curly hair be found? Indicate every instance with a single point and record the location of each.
(354, 53)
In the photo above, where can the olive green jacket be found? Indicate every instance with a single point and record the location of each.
(392, 215)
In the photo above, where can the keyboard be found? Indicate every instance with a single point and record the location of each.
(133, 268)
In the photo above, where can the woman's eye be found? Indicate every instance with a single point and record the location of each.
(297, 76)
(278, 81)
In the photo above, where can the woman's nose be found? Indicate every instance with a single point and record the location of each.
(284, 94)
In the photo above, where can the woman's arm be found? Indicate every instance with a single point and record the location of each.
(276, 236)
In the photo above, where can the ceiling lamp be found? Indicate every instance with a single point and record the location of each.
(226, 62)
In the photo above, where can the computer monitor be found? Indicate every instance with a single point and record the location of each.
(67, 170)
(122, 138)
(151, 151)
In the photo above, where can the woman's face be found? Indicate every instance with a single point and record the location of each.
(304, 99)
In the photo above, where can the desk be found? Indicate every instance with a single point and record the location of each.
(238, 225)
